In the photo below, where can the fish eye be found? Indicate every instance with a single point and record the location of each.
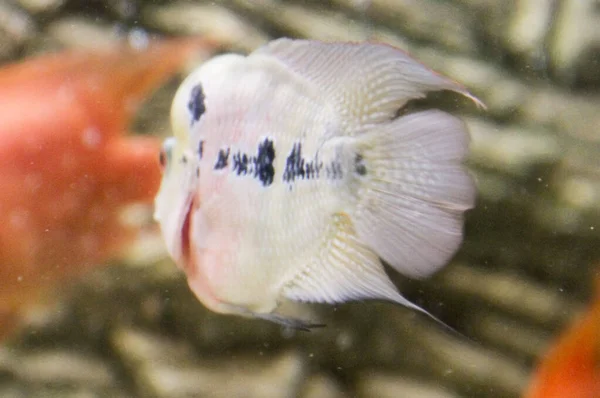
(166, 153)
(162, 158)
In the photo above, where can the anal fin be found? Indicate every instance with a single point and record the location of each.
(292, 323)
(346, 270)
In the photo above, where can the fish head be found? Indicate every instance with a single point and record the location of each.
(181, 154)
(174, 196)
(205, 206)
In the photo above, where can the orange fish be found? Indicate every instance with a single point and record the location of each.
(571, 369)
(67, 168)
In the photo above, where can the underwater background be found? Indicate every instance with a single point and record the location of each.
(526, 268)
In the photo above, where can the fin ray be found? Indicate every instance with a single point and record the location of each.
(368, 82)
(346, 270)
(410, 204)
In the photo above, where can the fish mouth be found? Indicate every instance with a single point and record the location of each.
(185, 239)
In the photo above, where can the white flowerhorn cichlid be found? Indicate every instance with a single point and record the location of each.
(293, 171)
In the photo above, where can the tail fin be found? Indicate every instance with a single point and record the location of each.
(414, 190)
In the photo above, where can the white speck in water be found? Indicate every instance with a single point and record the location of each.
(592, 228)
(138, 39)
(20, 278)
(91, 138)
(539, 179)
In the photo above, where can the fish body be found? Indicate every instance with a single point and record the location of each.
(291, 173)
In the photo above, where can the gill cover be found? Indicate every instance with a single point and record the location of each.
(179, 181)
(180, 153)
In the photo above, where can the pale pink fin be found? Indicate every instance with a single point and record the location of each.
(411, 199)
(368, 82)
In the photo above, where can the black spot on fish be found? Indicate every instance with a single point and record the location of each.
(337, 166)
(240, 163)
(196, 103)
(200, 149)
(222, 159)
(310, 170)
(259, 166)
(297, 167)
(333, 170)
(318, 167)
(263, 162)
(359, 165)
(294, 164)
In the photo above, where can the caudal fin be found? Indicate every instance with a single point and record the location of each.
(414, 190)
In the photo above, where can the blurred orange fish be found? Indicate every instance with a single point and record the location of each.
(67, 169)
(571, 369)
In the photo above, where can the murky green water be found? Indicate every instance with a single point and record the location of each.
(525, 269)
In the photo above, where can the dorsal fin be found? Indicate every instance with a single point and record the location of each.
(368, 82)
